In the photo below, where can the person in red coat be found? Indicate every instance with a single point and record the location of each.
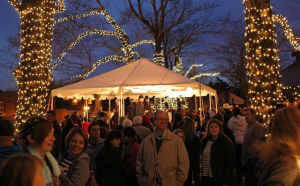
(132, 142)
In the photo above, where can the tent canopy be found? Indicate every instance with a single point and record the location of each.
(141, 77)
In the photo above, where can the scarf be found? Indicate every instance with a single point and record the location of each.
(163, 135)
(46, 170)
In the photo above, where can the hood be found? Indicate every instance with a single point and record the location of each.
(239, 120)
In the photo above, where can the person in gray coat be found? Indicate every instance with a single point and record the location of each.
(74, 162)
(140, 130)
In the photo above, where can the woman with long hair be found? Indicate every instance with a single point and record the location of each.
(177, 118)
(132, 142)
(74, 162)
(110, 168)
(218, 156)
(22, 170)
(238, 125)
(68, 126)
(192, 144)
(38, 133)
(281, 153)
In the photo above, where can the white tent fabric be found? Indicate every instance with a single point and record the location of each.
(141, 77)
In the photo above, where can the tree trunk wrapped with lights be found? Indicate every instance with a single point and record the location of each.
(33, 72)
(262, 59)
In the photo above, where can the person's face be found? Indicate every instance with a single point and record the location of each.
(76, 144)
(214, 130)
(95, 132)
(147, 100)
(116, 142)
(38, 178)
(126, 139)
(249, 117)
(49, 117)
(117, 101)
(161, 121)
(48, 142)
(180, 135)
(141, 99)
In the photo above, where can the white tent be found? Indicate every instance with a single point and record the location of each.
(141, 77)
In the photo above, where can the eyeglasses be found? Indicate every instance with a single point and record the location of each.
(162, 119)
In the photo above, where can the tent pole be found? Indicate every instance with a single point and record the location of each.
(87, 112)
(121, 105)
(216, 99)
(108, 112)
(195, 102)
(51, 97)
(209, 101)
(200, 106)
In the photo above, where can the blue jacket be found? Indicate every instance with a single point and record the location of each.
(7, 151)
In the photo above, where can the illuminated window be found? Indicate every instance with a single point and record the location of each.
(1, 107)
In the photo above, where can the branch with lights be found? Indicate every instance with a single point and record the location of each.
(288, 32)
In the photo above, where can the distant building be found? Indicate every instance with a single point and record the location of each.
(8, 103)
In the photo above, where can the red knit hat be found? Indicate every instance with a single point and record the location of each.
(145, 119)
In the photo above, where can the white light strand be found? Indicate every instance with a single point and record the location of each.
(99, 62)
(205, 74)
(288, 32)
(194, 65)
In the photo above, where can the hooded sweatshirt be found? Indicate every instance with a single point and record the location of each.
(238, 125)
(7, 151)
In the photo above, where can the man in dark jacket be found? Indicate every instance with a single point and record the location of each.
(6, 138)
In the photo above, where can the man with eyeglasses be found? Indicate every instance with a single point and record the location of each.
(162, 158)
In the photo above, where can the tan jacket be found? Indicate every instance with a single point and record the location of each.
(170, 166)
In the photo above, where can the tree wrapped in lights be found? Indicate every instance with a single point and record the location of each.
(262, 60)
(33, 73)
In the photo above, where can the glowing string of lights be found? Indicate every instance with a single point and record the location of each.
(99, 62)
(262, 60)
(288, 32)
(194, 65)
(80, 37)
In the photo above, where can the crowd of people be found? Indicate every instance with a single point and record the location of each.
(147, 148)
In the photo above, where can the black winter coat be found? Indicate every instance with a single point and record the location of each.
(110, 168)
(222, 159)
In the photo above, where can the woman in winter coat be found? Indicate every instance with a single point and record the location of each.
(110, 168)
(192, 144)
(218, 156)
(238, 125)
(74, 162)
(132, 142)
(281, 153)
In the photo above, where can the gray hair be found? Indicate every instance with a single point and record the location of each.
(127, 123)
(137, 120)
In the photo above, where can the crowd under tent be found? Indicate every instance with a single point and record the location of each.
(141, 77)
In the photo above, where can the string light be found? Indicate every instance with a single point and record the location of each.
(33, 72)
(262, 60)
(288, 32)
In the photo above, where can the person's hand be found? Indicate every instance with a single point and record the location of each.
(63, 169)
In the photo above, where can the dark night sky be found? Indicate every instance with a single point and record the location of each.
(9, 20)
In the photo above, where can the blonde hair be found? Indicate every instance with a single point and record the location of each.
(284, 141)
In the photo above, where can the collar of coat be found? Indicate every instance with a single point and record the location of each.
(168, 135)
